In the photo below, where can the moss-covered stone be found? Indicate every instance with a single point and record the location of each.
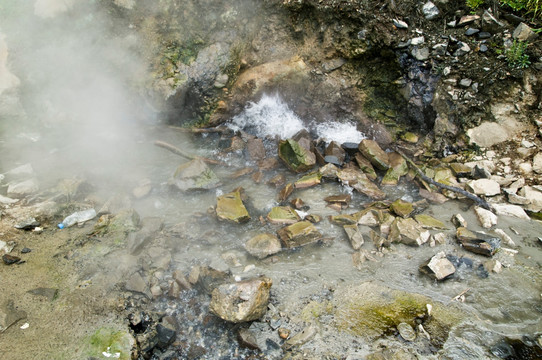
(308, 180)
(296, 157)
(299, 234)
(429, 222)
(283, 215)
(230, 207)
(374, 153)
(371, 311)
(194, 175)
(398, 168)
(118, 344)
(402, 208)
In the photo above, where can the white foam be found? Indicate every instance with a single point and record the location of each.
(271, 116)
(339, 132)
(268, 117)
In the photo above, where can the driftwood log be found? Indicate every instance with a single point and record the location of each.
(478, 200)
(185, 155)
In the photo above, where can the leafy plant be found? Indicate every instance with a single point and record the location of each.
(516, 56)
(530, 6)
(474, 4)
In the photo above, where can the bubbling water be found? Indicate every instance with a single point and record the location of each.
(272, 117)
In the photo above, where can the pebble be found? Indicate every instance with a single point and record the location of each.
(10, 259)
(406, 331)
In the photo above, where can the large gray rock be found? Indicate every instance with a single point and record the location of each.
(409, 232)
(241, 301)
(23, 188)
(485, 187)
(195, 175)
(263, 245)
(430, 10)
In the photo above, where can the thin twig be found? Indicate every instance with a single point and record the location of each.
(460, 294)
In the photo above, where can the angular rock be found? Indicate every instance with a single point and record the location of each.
(478, 242)
(438, 267)
(342, 200)
(230, 207)
(308, 180)
(507, 240)
(313, 218)
(408, 231)
(241, 301)
(333, 64)
(374, 153)
(354, 235)
(460, 170)
(493, 265)
(487, 218)
(430, 10)
(524, 33)
(434, 197)
(295, 156)
(285, 192)
(10, 259)
(420, 54)
(467, 19)
(334, 149)
(402, 208)
(255, 148)
(263, 245)
(149, 227)
(299, 234)
(462, 49)
(537, 163)
(398, 168)
(194, 175)
(400, 24)
(207, 279)
(511, 210)
(368, 218)
(283, 215)
(365, 166)
(329, 171)
(136, 283)
(247, 339)
(429, 222)
(361, 183)
(23, 188)
(534, 197)
(297, 203)
(344, 219)
(459, 221)
(485, 187)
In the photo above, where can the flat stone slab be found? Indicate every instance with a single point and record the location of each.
(374, 153)
(361, 183)
(284, 215)
(230, 207)
(299, 234)
(263, 245)
(485, 187)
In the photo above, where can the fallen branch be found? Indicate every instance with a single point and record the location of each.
(179, 152)
(460, 294)
(425, 178)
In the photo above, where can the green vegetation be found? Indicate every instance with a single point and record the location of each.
(533, 7)
(516, 55)
(117, 344)
(474, 4)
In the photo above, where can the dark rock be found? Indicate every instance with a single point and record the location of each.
(334, 149)
(483, 35)
(49, 293)
(330, 159)
(165, 335)
(350, 148)
(207, 278)
(25, 250)
(149, 227)
(343, 199)
(478, 242)
(480, 173)
(247, 339)
(471, 31)
(10, 259)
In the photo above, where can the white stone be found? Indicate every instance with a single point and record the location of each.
(485, 187)
(417, 40)
(525, 168)
(534, 196)
(430, 10)
(463, 48)
(23, 188)
(487, 218)
(400, 24)
(507, 240)
(537, 163)
(511, 210)
(493, 266)
(441, 266)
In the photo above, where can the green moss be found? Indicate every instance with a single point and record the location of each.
(314, 310)
(377, 316)
(111, 341)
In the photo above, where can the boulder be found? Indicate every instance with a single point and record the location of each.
(263, 245)
(485, 187)
(359, 181)
(334, 149)
(241, 301)
(283, 215)
(295, 156)
(299, 234)
(23, 188)
(438, 267)
(511, 210)
(409, 232)
(374, 153)
(354, 235)
(230, 207)
(478, 242)
(194, 175)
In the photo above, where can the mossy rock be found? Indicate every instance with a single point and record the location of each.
(230, 207)
(371, 310)
(296, 157)
(283, 215)
(118, 343)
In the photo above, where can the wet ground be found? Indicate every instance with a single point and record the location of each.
(312, 285)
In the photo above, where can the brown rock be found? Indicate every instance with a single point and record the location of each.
(255, 148)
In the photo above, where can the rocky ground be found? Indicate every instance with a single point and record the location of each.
(446, 113)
